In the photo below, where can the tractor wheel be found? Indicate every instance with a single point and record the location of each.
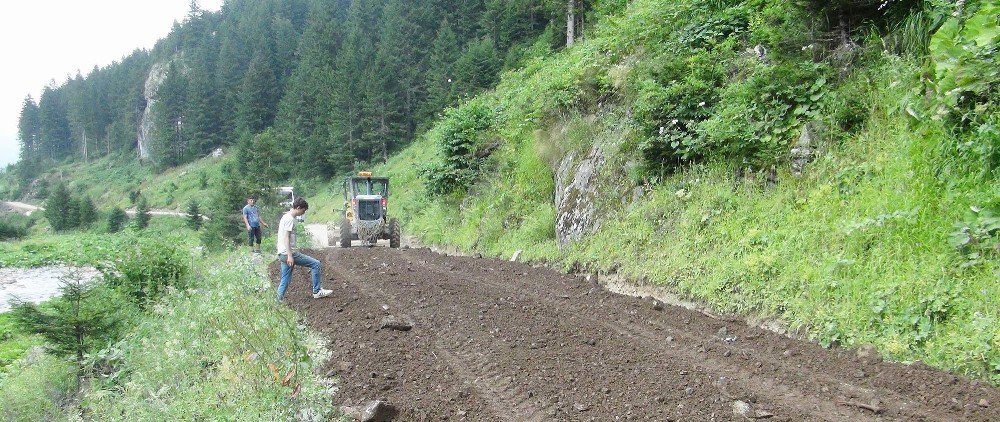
(345, 234)
(331, 239)
(394, 233)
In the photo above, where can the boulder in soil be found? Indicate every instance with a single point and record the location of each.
(391, 322)
(378, 411)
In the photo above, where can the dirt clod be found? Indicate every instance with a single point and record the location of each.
(393, 323)
(379, 411)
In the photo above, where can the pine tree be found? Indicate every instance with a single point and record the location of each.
(194, 219)
(201, 127)
(310, 111)
(142, 213)
(72, 213)
(58, 208)
(29, 132)
(87, 212)
(78, 322)
(169, 145)
(353, 65)
(258, 96)
(117, 218)
(387, 79)
(439, 77)
(478, 68)
(55, 139)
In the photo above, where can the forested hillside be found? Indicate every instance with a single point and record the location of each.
(831, 165)
(349, 81)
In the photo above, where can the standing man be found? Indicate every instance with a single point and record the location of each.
(251, 218)
(289, 258)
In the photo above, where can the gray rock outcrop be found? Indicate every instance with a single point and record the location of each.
(804, 151)
(156, 75)
(576, 194)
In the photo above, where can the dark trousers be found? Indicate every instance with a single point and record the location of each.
(253, 233)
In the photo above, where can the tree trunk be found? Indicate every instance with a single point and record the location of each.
(570, 23)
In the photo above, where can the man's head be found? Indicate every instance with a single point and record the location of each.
(299, 206)
(251, 200)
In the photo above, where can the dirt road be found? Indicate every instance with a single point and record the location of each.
(20, 207)
(498, 341)
(28, 209)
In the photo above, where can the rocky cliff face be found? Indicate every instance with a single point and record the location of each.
(156, 75)
(576, 194)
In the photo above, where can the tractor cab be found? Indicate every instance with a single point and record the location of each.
(366, 209)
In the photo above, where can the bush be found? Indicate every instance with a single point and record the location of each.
(457, 136)
(757, 119)
(217, 364)
(14, 226)
(116, 220)
(147, 271)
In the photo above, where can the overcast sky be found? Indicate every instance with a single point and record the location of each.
(45, 40)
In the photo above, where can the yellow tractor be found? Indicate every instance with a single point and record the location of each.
(366, 211)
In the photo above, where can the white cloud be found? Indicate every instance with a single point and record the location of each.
(46, 40)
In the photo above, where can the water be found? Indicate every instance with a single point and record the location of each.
(37, 284)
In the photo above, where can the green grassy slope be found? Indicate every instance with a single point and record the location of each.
(856, 251)
(110, 180)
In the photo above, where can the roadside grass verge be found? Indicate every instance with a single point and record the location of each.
(220, 347)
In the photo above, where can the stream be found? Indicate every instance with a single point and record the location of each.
(37, 284)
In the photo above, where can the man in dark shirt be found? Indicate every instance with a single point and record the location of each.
(251, 218)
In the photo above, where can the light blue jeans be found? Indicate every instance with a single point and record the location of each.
(286, 271)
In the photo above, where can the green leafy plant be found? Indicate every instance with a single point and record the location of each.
(457, 136)
(146, 271)
(14, 226)
(975, 238)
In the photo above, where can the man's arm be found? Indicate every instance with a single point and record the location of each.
(288, 247)
(245, 221)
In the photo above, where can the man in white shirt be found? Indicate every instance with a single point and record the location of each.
(289, 258)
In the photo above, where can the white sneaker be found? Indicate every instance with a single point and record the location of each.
(322, 293)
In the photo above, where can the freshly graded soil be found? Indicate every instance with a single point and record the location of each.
(490, 340)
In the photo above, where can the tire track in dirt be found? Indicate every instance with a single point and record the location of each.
(503, 341)
(739, 384)
(507, 400)
(781, 365)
